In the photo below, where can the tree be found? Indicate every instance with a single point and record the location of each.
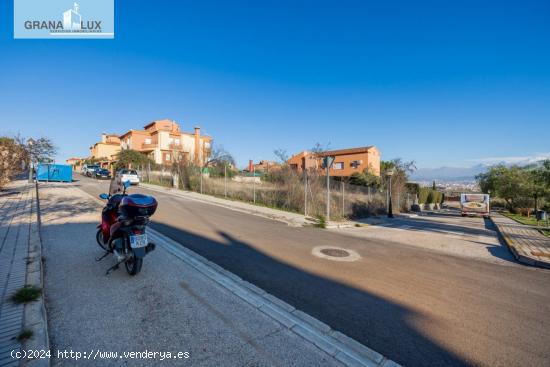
(365, 178)
(537, 186)
(281, 155)
(41, 150)
(509, 183)
(401, 170)
(12, 155)
(130, 157)
(219, 156)
(218, 162)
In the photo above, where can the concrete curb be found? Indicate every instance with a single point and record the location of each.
(519, 256)
(337, 345)
(35, 316)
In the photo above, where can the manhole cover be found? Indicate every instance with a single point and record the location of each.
(335, 252)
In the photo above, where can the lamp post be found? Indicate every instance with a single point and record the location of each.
(30, 143)
(389, 173)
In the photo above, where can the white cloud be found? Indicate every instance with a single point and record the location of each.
(514, 159)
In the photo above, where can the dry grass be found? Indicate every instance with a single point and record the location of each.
(286, 191)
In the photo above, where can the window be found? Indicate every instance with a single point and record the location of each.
(338, 165)
(355, 164)
(147, 140)
(177, 141)
(167, 157)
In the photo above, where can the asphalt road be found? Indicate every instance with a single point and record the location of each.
(417, 306)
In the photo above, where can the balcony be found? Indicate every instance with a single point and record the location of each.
(148, 147)
(173, 146)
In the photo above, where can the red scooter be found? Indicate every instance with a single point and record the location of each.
(122, 230)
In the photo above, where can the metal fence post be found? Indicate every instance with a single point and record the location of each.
(225, 179)
(200, 175)
(254, 182)
(305, 192)
(343, 200)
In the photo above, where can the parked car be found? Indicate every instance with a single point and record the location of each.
(129, 175)
(89, 169)
(102, 174)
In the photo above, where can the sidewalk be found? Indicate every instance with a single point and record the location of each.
(19, 266)
(526, 243)
(180, 302)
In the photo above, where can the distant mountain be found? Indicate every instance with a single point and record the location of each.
(448, 173)
(454, 174)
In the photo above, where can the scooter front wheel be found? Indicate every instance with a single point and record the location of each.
(99, 239)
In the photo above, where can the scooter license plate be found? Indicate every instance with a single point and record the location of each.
(138, 240)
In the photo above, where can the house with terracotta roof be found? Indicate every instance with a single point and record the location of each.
(346, 161)
(75, 162)
(164, 143)
(105, 150)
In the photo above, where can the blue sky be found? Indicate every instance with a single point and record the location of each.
(438, 82)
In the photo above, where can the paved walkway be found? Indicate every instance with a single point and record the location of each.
(15, 214)
(527, 244)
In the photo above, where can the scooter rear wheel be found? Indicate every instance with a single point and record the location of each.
(133, 265)
(99, 239)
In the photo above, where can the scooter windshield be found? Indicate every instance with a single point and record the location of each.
(116, 186)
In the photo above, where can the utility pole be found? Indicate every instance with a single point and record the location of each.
(225, 179)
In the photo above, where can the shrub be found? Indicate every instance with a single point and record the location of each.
(430, 197)
(26, 294)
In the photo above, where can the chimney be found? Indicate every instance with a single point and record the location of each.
(250, 165)
(103, 137)
(197, 146)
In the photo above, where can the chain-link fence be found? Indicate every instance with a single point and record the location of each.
(282, 189)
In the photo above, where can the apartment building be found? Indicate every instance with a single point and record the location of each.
(164, 143)
(106, 149)
(346, 161)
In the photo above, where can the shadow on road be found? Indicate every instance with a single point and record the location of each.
(383, 325)
(425, 224)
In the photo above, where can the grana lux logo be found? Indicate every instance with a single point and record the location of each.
(72, 22)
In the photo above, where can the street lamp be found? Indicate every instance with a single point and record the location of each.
(30, 143)
(389, 173)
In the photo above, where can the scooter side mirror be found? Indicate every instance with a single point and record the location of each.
(104, 196)
(126, 184)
